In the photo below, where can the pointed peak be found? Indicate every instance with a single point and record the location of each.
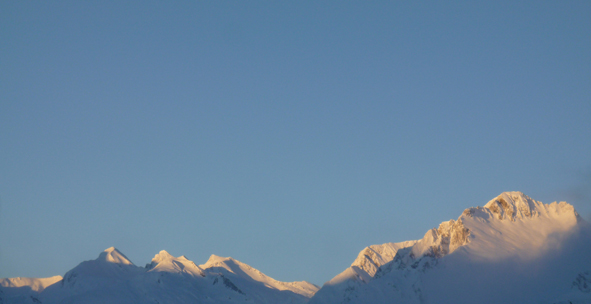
(110, 249)
(165, 262)
(216, 259)
(112, 255)
(163, 255)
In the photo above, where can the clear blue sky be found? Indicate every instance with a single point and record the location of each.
(288, 135)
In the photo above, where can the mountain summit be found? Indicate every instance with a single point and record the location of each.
(165, 262)
(512, 250)
(112, 255)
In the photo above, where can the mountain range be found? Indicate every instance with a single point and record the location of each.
(512, 250)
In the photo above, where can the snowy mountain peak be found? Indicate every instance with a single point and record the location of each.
(112, 255)
(165, 262)
(509, 217)
(110, 263)
(163, 255)
(513, 205)
(217, 259)
(227, 263)
(512, 243)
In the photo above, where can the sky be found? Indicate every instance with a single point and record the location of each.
(287, 135)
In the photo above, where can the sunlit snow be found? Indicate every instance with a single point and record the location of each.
(512, 250)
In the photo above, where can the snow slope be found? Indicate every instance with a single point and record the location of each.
(512, 250)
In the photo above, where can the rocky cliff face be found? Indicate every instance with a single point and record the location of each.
(373, 257)
(442, 241)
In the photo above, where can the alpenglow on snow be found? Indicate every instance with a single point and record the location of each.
(512, 250)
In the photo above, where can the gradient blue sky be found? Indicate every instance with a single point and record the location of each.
(288, 135)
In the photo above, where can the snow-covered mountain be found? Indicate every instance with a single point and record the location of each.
(113, 278)
(512, 250)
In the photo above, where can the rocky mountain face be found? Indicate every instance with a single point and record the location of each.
(512, 250)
